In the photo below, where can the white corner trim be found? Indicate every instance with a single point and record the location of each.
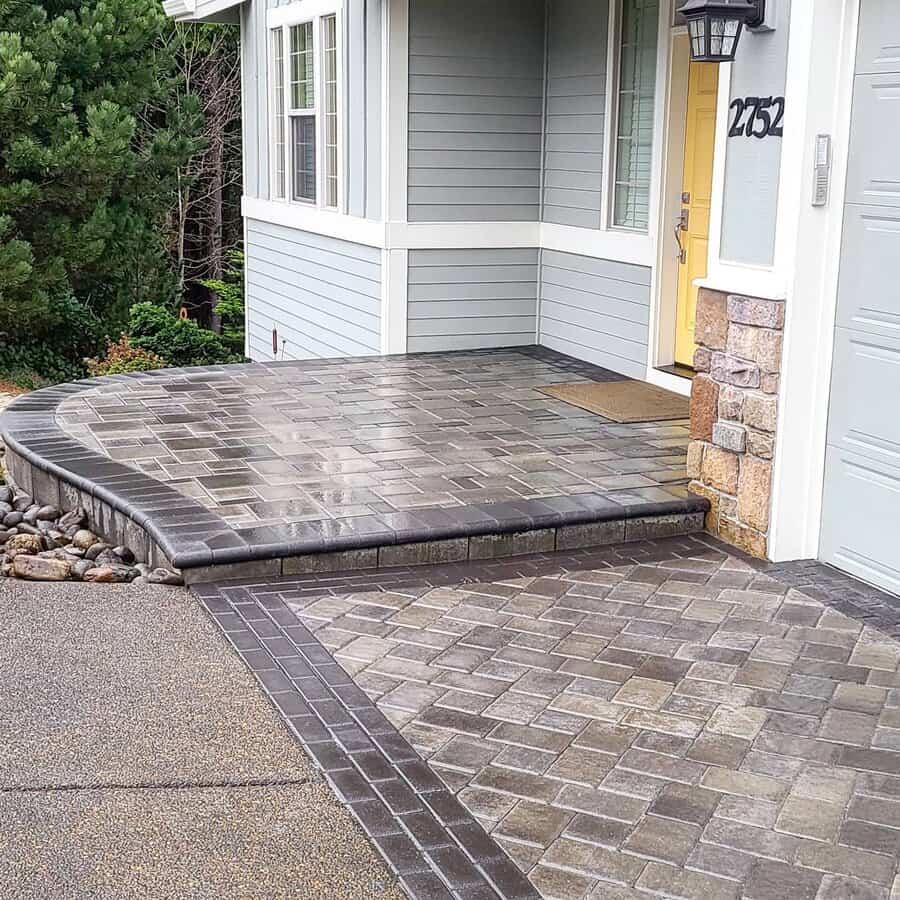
(395, 110)
(317, 221)
(394, 300)
(825, 42)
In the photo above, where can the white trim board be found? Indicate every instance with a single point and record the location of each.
(316, 221)
(296, 13)
(821, 70)
(618, 246)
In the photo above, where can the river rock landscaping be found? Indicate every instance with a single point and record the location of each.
(42, 543)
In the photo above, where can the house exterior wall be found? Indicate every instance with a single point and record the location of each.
(595, 309)
(322, 295)
(362, 109)
(752, 166)
(575, 112)
(468, 299)
(475, 110)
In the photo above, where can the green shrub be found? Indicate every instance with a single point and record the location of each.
(54, 352)
(121, 357)
(181, 342)
(31, 366)
(230, 307)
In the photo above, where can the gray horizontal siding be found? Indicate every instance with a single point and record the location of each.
(323, 295)
(475, 110)
(575, 111)
(467, 299)
(596, 310)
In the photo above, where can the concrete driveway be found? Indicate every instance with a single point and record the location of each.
(139, 759)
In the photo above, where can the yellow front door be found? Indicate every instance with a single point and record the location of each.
(699, 147)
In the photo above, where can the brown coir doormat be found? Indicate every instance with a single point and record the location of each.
(623, 401)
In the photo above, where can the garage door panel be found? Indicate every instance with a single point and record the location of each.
(865, 396)
(873, 174)
(869, 293)
(860, 534)
(879, 37)
(861, 499)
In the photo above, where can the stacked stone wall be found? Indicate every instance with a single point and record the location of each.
(734, 414)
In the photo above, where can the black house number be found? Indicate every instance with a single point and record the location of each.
(758, 117)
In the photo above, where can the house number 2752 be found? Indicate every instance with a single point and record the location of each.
(758, 117)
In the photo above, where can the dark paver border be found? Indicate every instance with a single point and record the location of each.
(177, 531)
(430, 841)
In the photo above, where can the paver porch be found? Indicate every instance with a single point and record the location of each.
(353, 463)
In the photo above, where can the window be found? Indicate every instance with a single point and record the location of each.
(635, 112)
(279, 149)
(305, 112)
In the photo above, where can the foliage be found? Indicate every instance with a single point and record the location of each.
(205, 219)
(88, 166)
(181, 342)
(30, 366)
(121, 357)
(54, 352)
(230, 308)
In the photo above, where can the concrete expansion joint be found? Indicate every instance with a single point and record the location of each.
(174, 785)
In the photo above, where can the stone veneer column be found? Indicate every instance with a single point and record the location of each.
(734, 413)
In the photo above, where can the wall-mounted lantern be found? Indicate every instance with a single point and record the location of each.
(715, 26)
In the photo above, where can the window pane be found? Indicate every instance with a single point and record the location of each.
(303, 133)
(303, 85)
(278, 136)
(329, 45)
(634, 135)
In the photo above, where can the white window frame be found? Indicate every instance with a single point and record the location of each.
(312, 12)
(611, 148)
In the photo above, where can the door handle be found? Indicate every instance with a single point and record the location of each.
(681, 224)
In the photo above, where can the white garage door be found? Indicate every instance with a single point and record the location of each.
(861, 515)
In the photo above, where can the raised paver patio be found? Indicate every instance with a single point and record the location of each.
(275, 444)
(652, 719)
(382, 460)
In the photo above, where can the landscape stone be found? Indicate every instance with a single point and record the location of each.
(26, 544)
(36, 568)
(85, 539)
(110, 574)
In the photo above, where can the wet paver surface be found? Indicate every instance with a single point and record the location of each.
(654, 719)
(282, 443)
